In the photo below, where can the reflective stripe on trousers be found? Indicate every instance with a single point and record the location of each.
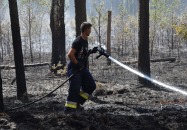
(84, 95)
(71, 104)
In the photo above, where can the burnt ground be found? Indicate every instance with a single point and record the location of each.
(119, 103)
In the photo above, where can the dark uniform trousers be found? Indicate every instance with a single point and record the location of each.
(81, 86)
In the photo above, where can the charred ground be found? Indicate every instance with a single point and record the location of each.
(119, 102)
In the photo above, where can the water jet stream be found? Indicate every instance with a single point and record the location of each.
(148, 78)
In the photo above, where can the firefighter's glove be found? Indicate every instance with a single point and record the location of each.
(94, 50)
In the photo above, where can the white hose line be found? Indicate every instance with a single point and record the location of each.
(148, 78)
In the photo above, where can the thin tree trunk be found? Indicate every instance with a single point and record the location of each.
(8, 43)
(178, 49)
(122, 47)
(162, 36)
(99, 22)
(168, 41)
(152, 44)
(1, 43)
(18, 55)
(172, 34)
(125, 44)
(109, 35)
(154, 30)
(40, 43)
(30, 35)
(1, 94)
(134, 41)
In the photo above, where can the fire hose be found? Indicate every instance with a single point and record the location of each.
(16, 108)
(102, 52)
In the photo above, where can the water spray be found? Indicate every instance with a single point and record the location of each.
(133, 70)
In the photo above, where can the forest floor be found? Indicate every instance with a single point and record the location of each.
(119, 102)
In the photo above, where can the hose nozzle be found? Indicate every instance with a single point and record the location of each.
(102, 51)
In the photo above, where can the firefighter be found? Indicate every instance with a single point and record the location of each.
(82, 85)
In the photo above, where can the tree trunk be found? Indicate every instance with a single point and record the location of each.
(1, 94)
(18, 56)
(99, 22)
(1, 43)
(178, 49)
(122, 47)
(109, 36)
(172, 34)
(144, 56)
(80, 14)
(58, 32)
(39, 40)
(8, 44)
(30, 34)
(134, 41)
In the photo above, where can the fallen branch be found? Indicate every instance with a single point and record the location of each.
(26, 65)
(172, 59)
